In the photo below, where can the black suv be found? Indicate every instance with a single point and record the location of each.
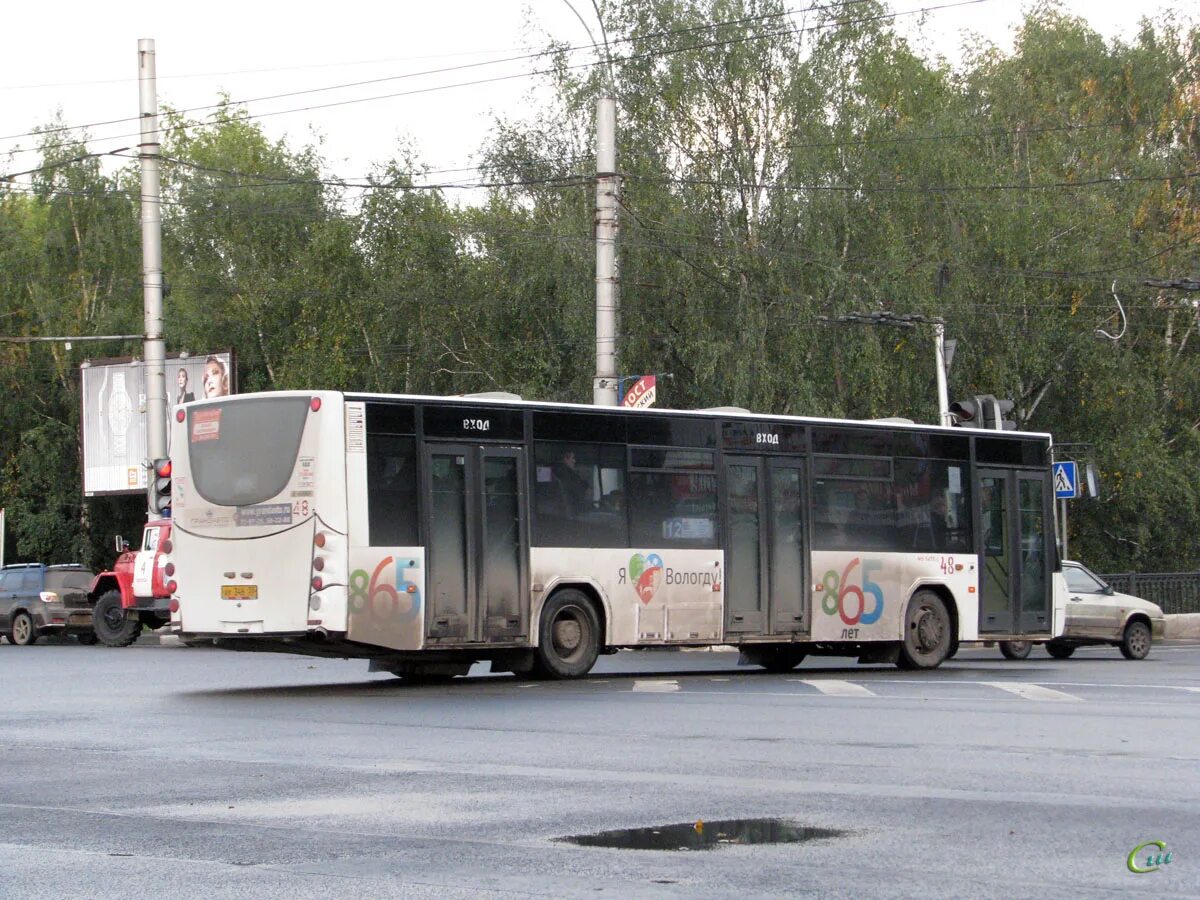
(37, 600)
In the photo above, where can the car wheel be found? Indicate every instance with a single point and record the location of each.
(21, 632)
(87, 638)
(569, 636)
(1135, 644)
(111, 623)
(1015, 649)
(782, 660)
(1059, 650)
(927, 632)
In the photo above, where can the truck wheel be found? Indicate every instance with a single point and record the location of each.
(112, 625)
(21, 632)
(569, 636)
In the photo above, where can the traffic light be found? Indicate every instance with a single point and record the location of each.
(997, 416)
(971, 412)
(983, 411)
(160, 488)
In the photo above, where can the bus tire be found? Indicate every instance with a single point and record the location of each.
(927, 632)
(112, 624)
(568, 636)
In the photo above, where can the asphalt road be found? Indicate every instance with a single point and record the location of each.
(157, 771)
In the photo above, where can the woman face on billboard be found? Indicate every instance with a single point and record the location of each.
(216, 380)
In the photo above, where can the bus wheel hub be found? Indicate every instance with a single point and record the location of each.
(567, 634)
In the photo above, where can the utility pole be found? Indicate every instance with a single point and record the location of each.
(604, 386)
(939, 337)
(153, 346)
(908, 320)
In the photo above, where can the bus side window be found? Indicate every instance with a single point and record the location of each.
(578, 495)
(392, 490)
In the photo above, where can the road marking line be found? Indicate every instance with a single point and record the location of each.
(656, 687)
(924, 679)
(836, 688)
(718, 679)
(1033, 691)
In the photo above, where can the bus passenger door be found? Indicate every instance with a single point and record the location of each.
(475, 544)
(765, 590)
(1011, 543)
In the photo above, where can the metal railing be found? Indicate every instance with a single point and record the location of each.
(1175, 592)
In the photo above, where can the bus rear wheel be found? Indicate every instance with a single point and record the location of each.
(928, 636)
(568, 636)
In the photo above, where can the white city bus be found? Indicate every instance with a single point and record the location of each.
(429, 533)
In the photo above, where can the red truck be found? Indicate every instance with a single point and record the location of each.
(137, 592)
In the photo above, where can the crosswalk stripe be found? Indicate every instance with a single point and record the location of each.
(657, 686)
(836, 688)
(1033, 691)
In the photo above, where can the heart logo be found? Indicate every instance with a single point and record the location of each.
(646, 574)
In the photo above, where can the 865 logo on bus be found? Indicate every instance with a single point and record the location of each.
(845, 595)
(384, 598)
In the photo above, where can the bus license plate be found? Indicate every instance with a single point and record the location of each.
(239, 592)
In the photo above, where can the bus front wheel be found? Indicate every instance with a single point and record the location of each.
(928, 636)
(568, 636)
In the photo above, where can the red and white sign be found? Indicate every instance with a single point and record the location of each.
(642, 393)
(206, 425)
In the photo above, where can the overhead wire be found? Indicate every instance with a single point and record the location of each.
(502, 78)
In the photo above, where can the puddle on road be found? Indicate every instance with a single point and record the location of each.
(704, 835)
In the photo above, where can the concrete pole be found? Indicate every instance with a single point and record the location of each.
(939, 334)
(604, 386)
(153, 346)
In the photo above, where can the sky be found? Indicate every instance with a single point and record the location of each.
(81, 58)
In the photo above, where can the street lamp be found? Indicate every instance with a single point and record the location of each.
(911, 320)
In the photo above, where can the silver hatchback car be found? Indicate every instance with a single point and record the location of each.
(1096, 614)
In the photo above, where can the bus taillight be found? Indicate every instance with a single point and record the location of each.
(172, 587)
(317, 583)
(319, 563)
(169, 569)
(319, 540)
(314, 404)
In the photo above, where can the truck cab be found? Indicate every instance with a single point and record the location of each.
(136, 592)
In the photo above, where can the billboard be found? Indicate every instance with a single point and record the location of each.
(113, 420)
(642, 393)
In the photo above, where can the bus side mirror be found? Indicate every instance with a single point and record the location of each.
(120, 545)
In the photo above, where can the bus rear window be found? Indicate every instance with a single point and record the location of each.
(244, 451)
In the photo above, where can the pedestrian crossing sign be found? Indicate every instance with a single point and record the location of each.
(1066, 481)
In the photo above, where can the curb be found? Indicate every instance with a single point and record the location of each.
(154, 639)
(1183, 626)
